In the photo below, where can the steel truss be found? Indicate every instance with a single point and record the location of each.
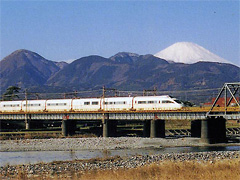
(231, 93)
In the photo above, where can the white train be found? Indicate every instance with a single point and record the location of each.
(137, 103)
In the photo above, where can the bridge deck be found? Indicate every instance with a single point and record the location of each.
(187, 113)
(182, 110)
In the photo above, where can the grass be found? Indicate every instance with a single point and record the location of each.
(171, 170)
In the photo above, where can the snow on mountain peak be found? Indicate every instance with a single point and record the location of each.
(188, 52)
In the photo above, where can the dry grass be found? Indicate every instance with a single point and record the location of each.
(172, 170)
(187, 170)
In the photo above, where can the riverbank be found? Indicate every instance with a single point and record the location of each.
(96, 143)
(115, 167)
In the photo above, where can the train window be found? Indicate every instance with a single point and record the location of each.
(86, 103)
(166, 101)
(109, 102)
(56, 104)
(152, 102)
(120, 102)
(142, 102)
(9, 105)
(95, 103)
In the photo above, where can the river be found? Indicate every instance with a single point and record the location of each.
(31, 157)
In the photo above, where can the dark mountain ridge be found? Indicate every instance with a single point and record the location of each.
(126, 71)
(25, 68)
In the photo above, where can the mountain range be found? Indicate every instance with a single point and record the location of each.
(124, 71)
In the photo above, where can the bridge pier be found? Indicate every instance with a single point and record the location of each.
(27, 121)
(27, 124)
(105, 118)
(213, 130)
(146, 128)
(109, 126)
(157, 128)
(68, 127)
(154, 128)
(196, 128)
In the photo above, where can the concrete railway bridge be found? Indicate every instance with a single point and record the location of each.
(209, 123)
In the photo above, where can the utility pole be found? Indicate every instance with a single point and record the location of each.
(27, 122)
(109, 89)
(26, 98)
(154, 91)
(103, 95)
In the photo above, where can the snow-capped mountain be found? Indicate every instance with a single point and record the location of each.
(188, 52)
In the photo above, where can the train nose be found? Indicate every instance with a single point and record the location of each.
(181, 105)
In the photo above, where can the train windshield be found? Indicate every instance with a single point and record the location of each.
(178, 101)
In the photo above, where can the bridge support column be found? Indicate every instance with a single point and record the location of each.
(72, 127)
(146, 128)
(27, 124)
(65, 127)
(196, 128)
(157, 128)
(112, 128)
(220, 133)
(27, 121)
(213, 130)
(68, 126)
(106, 124)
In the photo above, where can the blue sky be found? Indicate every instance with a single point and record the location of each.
(63, 30)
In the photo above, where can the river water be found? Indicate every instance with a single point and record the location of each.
(27, 157)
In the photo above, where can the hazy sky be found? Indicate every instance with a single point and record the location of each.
(63, 30)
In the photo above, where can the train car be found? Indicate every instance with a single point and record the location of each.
(59, 105)
(10, 106)
(156, 103)
(94, 104)
(33, 105)
(117, 103)
(88, 104)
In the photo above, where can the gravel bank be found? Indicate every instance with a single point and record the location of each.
(111, 163)
(67, 144)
